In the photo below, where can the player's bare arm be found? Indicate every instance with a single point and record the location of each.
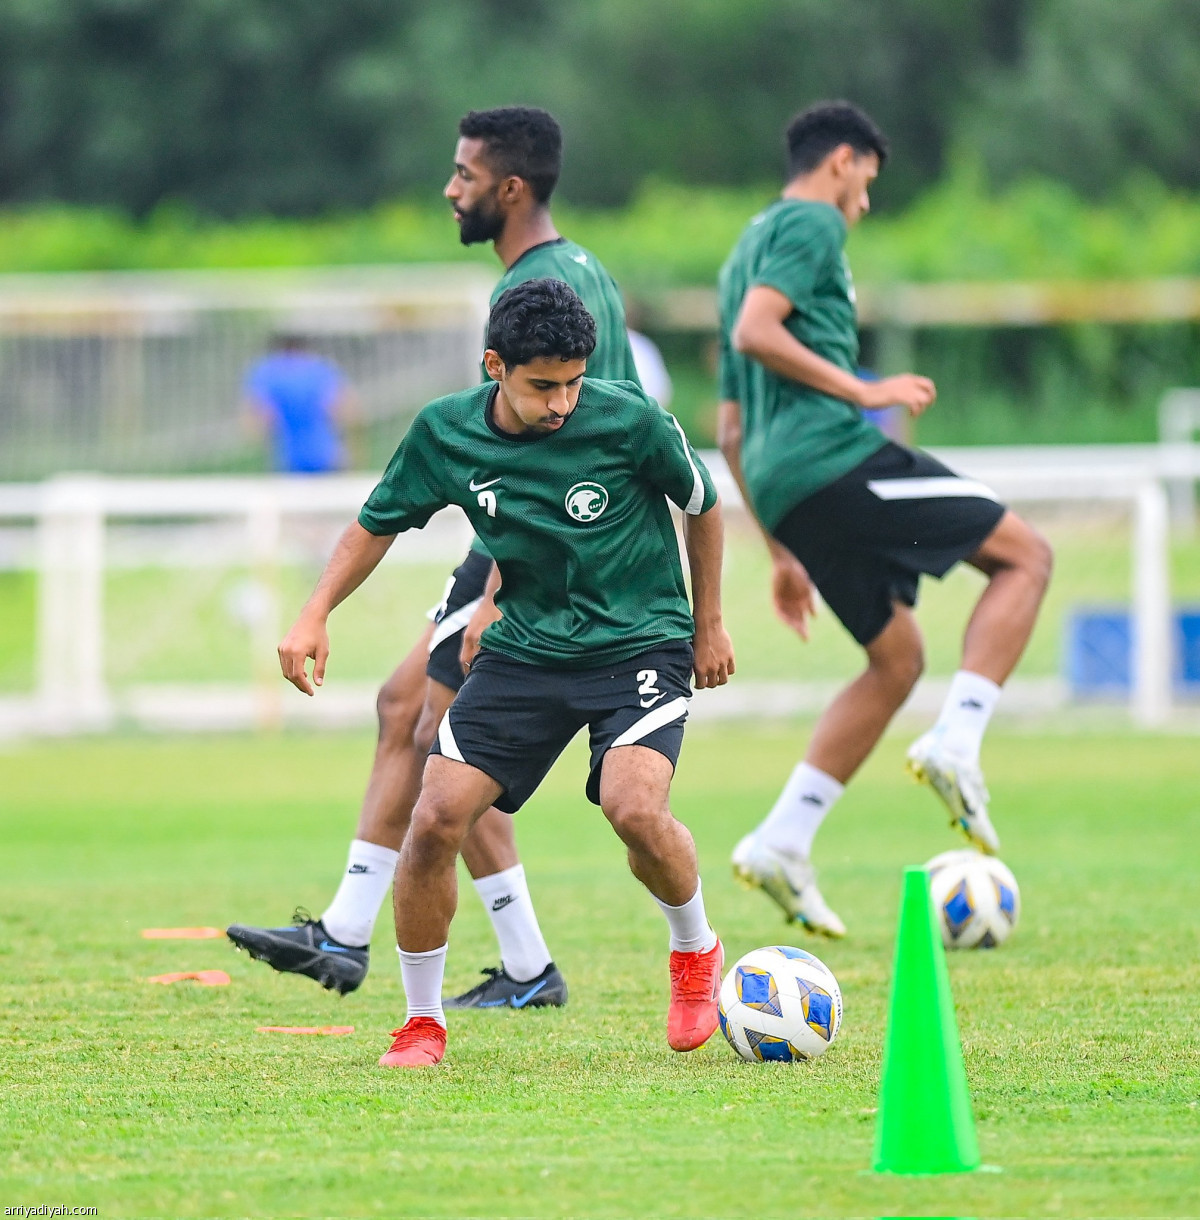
(791, 589)
(703, 538)
(761, 334)
(486, 613)
(355, 557)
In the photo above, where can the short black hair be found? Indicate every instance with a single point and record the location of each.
(540, 318)
(519, 140)
(814, 133)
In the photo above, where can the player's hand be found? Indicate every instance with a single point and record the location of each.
(307, 640)
(712, 663)
(794, 593)
(486, 613)
(909, 390)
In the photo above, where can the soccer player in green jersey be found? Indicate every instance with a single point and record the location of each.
(566, 480)
(850, 512)
(506, 165)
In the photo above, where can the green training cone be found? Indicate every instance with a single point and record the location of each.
(924, 1122)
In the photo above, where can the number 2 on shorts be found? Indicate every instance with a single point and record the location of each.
(647, 687)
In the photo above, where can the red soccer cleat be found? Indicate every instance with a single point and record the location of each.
(695, 986)
(421, 1043)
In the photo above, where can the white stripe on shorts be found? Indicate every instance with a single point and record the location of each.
(941, 488)
(446, 742)
(434, 611)
(653, 721)
(453, 623)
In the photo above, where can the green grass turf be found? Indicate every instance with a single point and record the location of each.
(1080, 1035)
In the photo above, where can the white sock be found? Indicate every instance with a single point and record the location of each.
(505, 896)
(690, 932)
(797, 815)
(966, 712)
(422, 975)
(351, 916)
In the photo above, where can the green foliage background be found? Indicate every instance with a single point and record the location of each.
(299, 107)
(668, 235)
(1030, 139)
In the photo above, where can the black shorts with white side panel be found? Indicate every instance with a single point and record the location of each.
(511, 720)
(868, 537)
(464, 591)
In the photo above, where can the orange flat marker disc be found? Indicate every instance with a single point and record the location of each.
(335, 1030)
(182, 933)
(206, 978)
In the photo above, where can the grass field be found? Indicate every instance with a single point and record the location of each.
(1080, 1035)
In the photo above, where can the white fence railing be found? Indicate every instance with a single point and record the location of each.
(143, 370)
(71, 514)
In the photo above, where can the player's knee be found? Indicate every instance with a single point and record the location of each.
(398, 708)
(912, 666)
(436, 832)
(1039, 560)
(636, 818)
(901, 668)
(425, 733)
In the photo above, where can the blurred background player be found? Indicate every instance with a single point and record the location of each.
(852, 512)
(597, 631)
(506, 165)
(301, 403)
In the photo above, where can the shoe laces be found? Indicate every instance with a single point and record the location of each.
(301, 916)
(691, 979)
(419, 1029)
(490, 975)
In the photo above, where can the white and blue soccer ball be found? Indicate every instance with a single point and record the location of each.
(780, 1004)
(976, 899)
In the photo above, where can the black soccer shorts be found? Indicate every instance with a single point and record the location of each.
(868, 537)
(511, 720)
(464, 591)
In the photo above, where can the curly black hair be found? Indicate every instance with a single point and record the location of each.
(519, 140)
(540, 318)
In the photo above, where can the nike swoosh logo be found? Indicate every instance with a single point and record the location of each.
(480, 486)
(326, 947)
(519, 1001)
(651, 702)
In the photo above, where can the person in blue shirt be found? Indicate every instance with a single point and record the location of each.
(300, 402)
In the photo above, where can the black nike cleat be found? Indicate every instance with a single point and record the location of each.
(499, 990)
(305, 948)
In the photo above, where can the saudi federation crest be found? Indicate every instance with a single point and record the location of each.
(586, 501)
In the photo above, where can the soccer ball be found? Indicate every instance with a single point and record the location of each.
(780, 1004)
(976, 899)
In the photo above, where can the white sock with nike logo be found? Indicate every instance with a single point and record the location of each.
(802, 806)
(351, 916)
(505, 897)
(969, 705)
(422, 975)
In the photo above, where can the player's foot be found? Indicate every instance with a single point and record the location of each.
(790, 881)
(695, 989)
(501, 990)
(421, 1043)
(959, 782)
(305, 948)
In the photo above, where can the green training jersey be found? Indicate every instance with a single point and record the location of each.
(581, 270)
(560, 259)
(795, 439)
(576, 519)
